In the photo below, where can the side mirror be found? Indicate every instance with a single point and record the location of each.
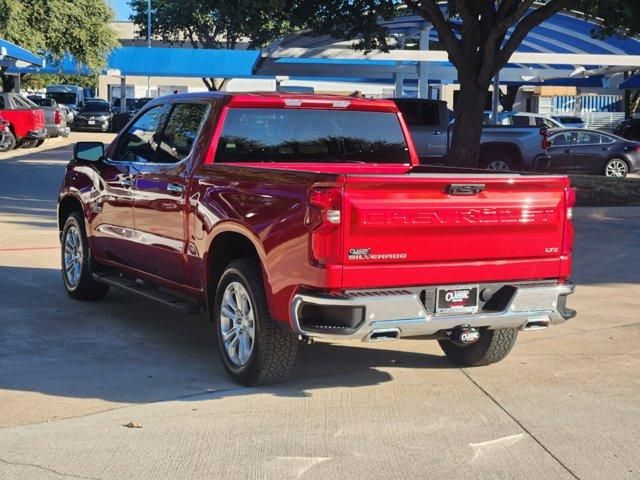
(88, 151)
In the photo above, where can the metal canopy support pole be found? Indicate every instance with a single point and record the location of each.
(148, 42)
(495, 100)
(423, 67)
(399, 78)
(123, 93)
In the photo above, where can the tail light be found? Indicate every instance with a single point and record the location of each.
(568, 234)
(324, 218)
(57, 118)
(545, 138)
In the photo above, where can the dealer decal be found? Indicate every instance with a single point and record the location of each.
(366, 254)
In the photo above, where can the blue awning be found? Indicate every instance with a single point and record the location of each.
(163, 62)
(630, 83)
(13, 55)
(183, 62)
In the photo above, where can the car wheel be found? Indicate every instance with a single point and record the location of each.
(9, 142)
(491, 347)
(502, 165)
(616, 167)
(76, 262)
(29, 143)
(253, 348)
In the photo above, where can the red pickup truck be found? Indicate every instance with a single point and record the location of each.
(26, 122)
(296, 217)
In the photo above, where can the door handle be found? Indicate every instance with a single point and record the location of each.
(465, 188)
(567, 150)
(175, 188)
(127, 182)
(437, 132)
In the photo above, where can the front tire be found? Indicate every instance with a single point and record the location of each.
(493, 346)
(254, 349)
(76, 262)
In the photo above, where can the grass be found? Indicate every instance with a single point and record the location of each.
(596, 191)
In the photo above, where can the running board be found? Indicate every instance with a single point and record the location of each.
(147, 291)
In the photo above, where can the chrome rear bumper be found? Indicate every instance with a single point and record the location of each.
(529, 308)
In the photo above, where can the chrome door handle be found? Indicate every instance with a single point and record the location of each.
(175, 188)
(126, 182)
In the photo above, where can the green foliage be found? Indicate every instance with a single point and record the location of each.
(58, 27)
(40, 81)
(213, 23)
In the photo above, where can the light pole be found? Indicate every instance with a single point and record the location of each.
(148, 42)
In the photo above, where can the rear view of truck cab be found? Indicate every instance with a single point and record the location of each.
(296, 217)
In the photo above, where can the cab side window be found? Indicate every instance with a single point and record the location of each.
(181, 131)
(139, 142)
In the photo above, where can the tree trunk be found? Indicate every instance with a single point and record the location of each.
(465, 142)
(215, 84)
(508, 99)
(8, 82)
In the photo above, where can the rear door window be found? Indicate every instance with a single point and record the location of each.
(302, 135)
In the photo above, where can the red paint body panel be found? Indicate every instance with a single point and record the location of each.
(405, 228)
(24, 121)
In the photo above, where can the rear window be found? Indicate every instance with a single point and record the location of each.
(282, 135)
(61, 97)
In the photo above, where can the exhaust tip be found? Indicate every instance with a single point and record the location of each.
(384, 335)
(537, 323)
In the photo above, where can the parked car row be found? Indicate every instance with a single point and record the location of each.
(525, 141)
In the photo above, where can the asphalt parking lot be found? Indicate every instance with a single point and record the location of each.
(565, 404)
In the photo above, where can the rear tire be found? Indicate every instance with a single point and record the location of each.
(9, 143)
(493, 346)
(253, 348)
(76, 262)
(500, 163)
(616, 168)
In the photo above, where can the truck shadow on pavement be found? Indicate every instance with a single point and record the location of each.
(29, 186)
(128, 350)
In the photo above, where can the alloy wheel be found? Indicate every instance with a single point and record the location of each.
(499, 165)
(237, 324)
(73, 256)
(616, 168)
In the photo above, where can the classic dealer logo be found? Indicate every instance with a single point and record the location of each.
(365, 254)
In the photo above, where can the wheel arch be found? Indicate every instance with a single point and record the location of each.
(228, 243)
(511, 149)
(66, 206)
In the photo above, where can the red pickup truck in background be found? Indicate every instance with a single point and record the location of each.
(293, 217)
(26, 123)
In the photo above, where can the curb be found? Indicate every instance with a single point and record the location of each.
(606, 212)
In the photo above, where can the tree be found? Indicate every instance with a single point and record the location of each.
(476, 35)
(213, 23)
(54, 28)
(38, 81)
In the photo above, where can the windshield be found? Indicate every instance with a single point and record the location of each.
(43, 102)
(95, 107)
(64, 98)
(282, 135)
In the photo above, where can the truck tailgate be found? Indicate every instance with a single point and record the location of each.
(427, 229)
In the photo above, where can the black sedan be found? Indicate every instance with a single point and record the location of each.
(629, 129)
(589, 152)
(93, 115)
(120, 119)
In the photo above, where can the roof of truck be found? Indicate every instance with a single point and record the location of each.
(292, 100)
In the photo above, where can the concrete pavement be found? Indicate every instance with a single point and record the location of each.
(564, 404)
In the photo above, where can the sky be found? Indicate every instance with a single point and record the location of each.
(121, 8)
